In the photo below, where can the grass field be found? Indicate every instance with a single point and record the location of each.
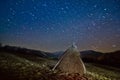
(13, 67)
(101, 73)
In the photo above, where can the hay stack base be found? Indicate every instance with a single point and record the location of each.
(70, 62)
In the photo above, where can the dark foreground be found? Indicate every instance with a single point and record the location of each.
(15, 67)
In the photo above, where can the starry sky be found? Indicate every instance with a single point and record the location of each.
(53, 25)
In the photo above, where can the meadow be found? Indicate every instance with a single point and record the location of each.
(14, 67)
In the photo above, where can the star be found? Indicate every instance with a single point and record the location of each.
(95, 6)
(8, 20)
(91, 24)
(105, 9)
(114, 45)
(66, 7)
(44, 5)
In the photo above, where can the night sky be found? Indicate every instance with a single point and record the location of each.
(53, 25)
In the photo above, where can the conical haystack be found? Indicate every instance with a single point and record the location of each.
(71, 62)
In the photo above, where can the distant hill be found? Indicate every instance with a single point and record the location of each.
(112, 58)
(91, 56)
(90, 52)
(26, 53)
(83, 54)
(58, 54)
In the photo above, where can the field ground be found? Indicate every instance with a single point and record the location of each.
(13, 67)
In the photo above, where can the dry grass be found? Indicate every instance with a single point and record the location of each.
(16, 68)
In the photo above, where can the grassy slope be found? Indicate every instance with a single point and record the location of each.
(14, 67)
(103, 73)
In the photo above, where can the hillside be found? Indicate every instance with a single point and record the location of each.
(90, 56)
(14, 67)
(25, 64)
(26, 53)
(111, 59)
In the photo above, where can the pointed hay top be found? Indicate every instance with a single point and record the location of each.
(73, 48)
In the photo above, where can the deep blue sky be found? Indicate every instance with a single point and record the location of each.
(53, 25)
